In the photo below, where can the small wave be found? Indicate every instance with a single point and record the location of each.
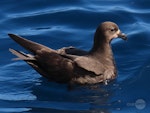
(17, 96)
(14, 110)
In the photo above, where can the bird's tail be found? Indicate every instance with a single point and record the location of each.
(29, 59)
(21, 55)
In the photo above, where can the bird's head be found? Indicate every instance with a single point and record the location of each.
(109, 31)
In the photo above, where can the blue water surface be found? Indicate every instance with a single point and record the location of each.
(59, 23)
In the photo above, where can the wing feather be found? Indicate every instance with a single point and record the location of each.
(90, 64)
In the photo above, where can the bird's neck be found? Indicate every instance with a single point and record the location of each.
(102, 51)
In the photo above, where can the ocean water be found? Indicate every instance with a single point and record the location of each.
(59, 23)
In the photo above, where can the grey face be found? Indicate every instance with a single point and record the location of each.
(111, 30)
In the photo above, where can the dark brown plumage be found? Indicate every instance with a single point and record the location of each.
(71, 65)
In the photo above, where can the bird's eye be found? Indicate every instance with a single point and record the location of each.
(112, 30)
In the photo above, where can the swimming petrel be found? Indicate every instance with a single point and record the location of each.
(71, 65)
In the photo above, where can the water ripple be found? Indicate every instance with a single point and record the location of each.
(73, 23)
